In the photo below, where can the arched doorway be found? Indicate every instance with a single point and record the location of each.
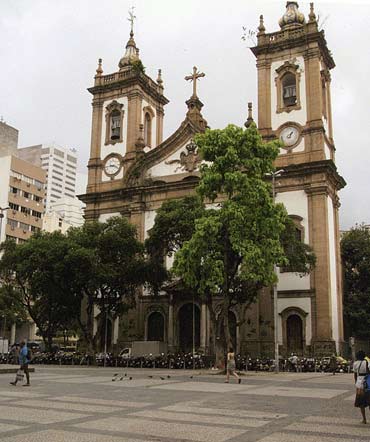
(189, 327)
(155, 327)
(294, 332)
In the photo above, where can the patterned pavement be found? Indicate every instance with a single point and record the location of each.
(81, 404)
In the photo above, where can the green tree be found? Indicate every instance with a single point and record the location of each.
(37, 273)
(229, 250)
(355, 249)
(12, 310)
(111, 266)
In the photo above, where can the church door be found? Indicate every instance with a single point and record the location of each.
(155, 327)
(189, 327)
(294, 329)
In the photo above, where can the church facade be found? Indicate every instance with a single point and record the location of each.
(132, 171)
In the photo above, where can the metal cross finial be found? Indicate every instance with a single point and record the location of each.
(131, 18)
(194, 77)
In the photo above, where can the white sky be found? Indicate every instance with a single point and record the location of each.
(49, 52)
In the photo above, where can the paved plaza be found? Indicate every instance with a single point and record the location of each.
(69, 404)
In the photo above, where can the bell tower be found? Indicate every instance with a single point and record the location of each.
(294, 105)
(127, 120)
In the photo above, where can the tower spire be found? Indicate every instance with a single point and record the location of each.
(250, 116)
(131, 19)
(132, 52)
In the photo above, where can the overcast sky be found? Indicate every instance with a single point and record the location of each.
(49, 52)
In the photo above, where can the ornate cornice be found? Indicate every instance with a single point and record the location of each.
(292, 38)
(135, 175)
(127, 79)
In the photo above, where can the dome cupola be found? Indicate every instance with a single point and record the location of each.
(292, 17)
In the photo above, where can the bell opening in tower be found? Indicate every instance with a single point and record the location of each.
(289, 90)
(116, 128)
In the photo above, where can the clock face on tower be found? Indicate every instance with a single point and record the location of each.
(289, 136)
(112, 166)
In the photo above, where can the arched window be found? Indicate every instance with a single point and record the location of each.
(289, 89)
(287, 86)
(148, 129)
(114, 123)
(156, 327)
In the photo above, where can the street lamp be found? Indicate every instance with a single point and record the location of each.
(274, 175)
(2, 210)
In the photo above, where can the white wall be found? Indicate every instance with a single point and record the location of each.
(105, 216)
(296, 203)
(333, 272)
(164, 169)
(299, 116)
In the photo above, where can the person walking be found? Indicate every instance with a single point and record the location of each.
(360, 370)
(24, 360)
(230, 367)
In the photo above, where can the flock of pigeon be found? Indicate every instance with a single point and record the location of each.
(117, 377)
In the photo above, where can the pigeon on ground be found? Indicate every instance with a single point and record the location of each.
(114, 378)
(161, 378)
(121, 378)
(168, 376)
(130, 378)
(150, 376)
(125, 374)
(191, 377)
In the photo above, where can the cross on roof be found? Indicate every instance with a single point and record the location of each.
(132, 17)
(196, 75)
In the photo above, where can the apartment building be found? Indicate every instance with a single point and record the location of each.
(60, 165)
(21, 198)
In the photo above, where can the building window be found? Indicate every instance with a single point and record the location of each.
(289, 90)
(59, 153)
(12, 223)
(14, 207)
(71, 159)
(148, 119)
(287, 87)
(25, 210)
(114, 123)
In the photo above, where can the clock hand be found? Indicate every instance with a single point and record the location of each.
(290, 135)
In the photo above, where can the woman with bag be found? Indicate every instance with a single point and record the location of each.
(361, 370)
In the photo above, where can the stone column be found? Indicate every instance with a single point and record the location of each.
(203, 327)
(170, 340)
(12, 333)
(115, 331)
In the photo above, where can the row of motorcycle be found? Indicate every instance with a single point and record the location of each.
(186, 361)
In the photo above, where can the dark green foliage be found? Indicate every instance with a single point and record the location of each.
(39, 273)
(355, 249)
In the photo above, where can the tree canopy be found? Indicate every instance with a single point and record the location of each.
(61, 278)
(38, 273)
(228, 238)
(355, 249)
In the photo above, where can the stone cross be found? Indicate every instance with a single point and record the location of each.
(196, 75)
(132, 17)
